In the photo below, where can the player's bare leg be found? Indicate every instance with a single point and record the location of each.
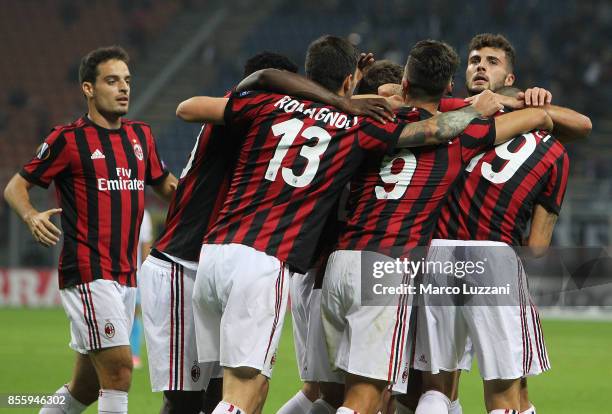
(332, 393)
(527, 406)
(243, 387)
(362, 394)
(114, 369)
(213, 395)
(84, 385)
(80, 392)
(407, 403)
(502, 395)
(187, 402)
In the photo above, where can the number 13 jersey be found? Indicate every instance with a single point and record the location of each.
(295, 159)
(496, 194)
(395, 201)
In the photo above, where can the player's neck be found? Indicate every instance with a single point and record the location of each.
(431, 107)
(107, 121)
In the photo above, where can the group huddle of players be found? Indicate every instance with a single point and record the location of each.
(294, 187)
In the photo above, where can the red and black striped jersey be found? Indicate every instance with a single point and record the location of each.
(496, 194)
(395, 201)
(451, 104)
(99, 177)
(200, 193)
(296, 158)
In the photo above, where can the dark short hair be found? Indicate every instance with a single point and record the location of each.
(329, 60)
(266, 60)
(88, 70)
(430, 68)
(381, 72)
(496, 41)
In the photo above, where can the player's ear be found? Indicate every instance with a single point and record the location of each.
(510, 78)
(347, 86)
(449, 88)
(405, 88)
(87, 88)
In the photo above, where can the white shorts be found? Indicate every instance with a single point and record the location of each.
(308, 336)
(166, 288)
(505, 332)
(101, 314)
(239, 301)
(371, 340)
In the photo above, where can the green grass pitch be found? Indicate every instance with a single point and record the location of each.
(35, 358)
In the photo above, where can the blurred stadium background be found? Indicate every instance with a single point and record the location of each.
(188, 47)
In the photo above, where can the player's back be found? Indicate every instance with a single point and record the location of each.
(293, 163)
(395, 201)
(498, 190)
(201, 190)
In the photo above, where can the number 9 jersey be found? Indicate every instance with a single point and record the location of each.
(395, 200)
(294, 161)
(496, 194)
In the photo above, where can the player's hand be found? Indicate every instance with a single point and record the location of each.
(41, 227)
(536, 96)
(486, 103)
(363, 64)
(507, 101)
(377, 108)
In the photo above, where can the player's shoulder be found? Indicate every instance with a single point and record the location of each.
(133, 122)
(554, 147)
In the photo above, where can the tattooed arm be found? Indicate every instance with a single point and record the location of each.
(437, 129)
(448, 125)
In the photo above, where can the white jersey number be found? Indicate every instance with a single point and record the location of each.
(288, 131)
(514, 160)
(401, 179)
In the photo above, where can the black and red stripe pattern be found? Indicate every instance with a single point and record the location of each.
(201, 191)
(295, 159)
(495, 197)
(395, 201)
(99, 176)
(398, 342)
(177, 328)
(89, 314)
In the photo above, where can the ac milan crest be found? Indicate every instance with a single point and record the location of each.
(195, 372)
(109, 330)
(138, 151)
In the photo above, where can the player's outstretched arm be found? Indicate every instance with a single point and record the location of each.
(166, 189)
(17, 196)
(542, 226)
(509, 125)
(280, 81)
(202, 109)
(446, 126)
(569, 124)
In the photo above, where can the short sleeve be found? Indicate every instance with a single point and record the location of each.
(243, 107)
(156, 168)
(51, 158)
(377, 137)
(552, 196)
(479, 136)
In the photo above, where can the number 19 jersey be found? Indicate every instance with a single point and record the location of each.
(496, 194)
(295, 159)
